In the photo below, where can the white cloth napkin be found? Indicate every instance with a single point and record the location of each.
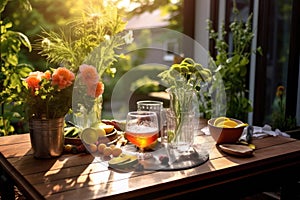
(205, 130)
(266, 130)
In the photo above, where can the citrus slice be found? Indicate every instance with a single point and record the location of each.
(130, 163)
(224, 126)
(101, 132)
(228, 123)
(241, 125)
(108, 128)
(89, 136)
(123, 161)
(120, 159)
(97, 124)
(220, 119)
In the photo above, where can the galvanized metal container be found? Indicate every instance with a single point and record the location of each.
(47, 137)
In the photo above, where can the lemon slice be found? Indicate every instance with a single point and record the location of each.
(108, 128)
(241, 125)
(101, 132)
(227, 123)
(120, 159)
(252, 146)
(223, 126)
(97, 124)
(123, 161)
(220, 119)
(89, 136)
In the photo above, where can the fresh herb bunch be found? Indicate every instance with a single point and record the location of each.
(188, 77)
(91, 39)
(188, 74)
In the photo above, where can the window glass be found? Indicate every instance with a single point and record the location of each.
(277, 56)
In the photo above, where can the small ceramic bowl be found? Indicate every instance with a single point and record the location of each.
(225, 135)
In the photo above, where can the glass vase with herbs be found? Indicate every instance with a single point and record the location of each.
(185, 82)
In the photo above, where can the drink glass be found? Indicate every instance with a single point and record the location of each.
(154, 106)
(141, 130)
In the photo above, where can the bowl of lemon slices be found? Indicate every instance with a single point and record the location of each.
(226, 130)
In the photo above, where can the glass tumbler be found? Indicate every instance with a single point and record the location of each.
(154, 106)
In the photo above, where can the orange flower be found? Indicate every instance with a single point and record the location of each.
(47, 75)
(33, 80)
(280, 91)
(62, 77)
(99, 89)
(95, 90)
(88, 74)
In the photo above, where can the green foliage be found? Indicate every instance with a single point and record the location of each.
(145, 85)
(12, 71)
(24, 3)
(45, 15)
(91, 39)
(232, 65)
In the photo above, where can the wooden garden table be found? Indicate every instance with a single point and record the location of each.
(79, 176)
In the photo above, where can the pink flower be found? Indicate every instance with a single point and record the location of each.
(88, 74)
(62, 77)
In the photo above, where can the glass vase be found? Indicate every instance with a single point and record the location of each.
(181, 119)
(88, 114)
(180, 131)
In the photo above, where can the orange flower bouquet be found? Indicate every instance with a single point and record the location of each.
(49, 94)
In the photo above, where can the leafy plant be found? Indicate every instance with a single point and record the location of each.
(91, 39)
(11, 70)
(232, 64)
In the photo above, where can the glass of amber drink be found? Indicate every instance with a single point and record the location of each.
(142, 130)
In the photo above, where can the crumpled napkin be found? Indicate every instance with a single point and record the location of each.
(266, 130)
(205, 130)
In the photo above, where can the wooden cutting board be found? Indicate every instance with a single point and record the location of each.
(236, 149)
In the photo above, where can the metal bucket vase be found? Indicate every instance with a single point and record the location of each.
(47, 137)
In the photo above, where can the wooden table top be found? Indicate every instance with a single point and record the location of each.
(81, 176)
